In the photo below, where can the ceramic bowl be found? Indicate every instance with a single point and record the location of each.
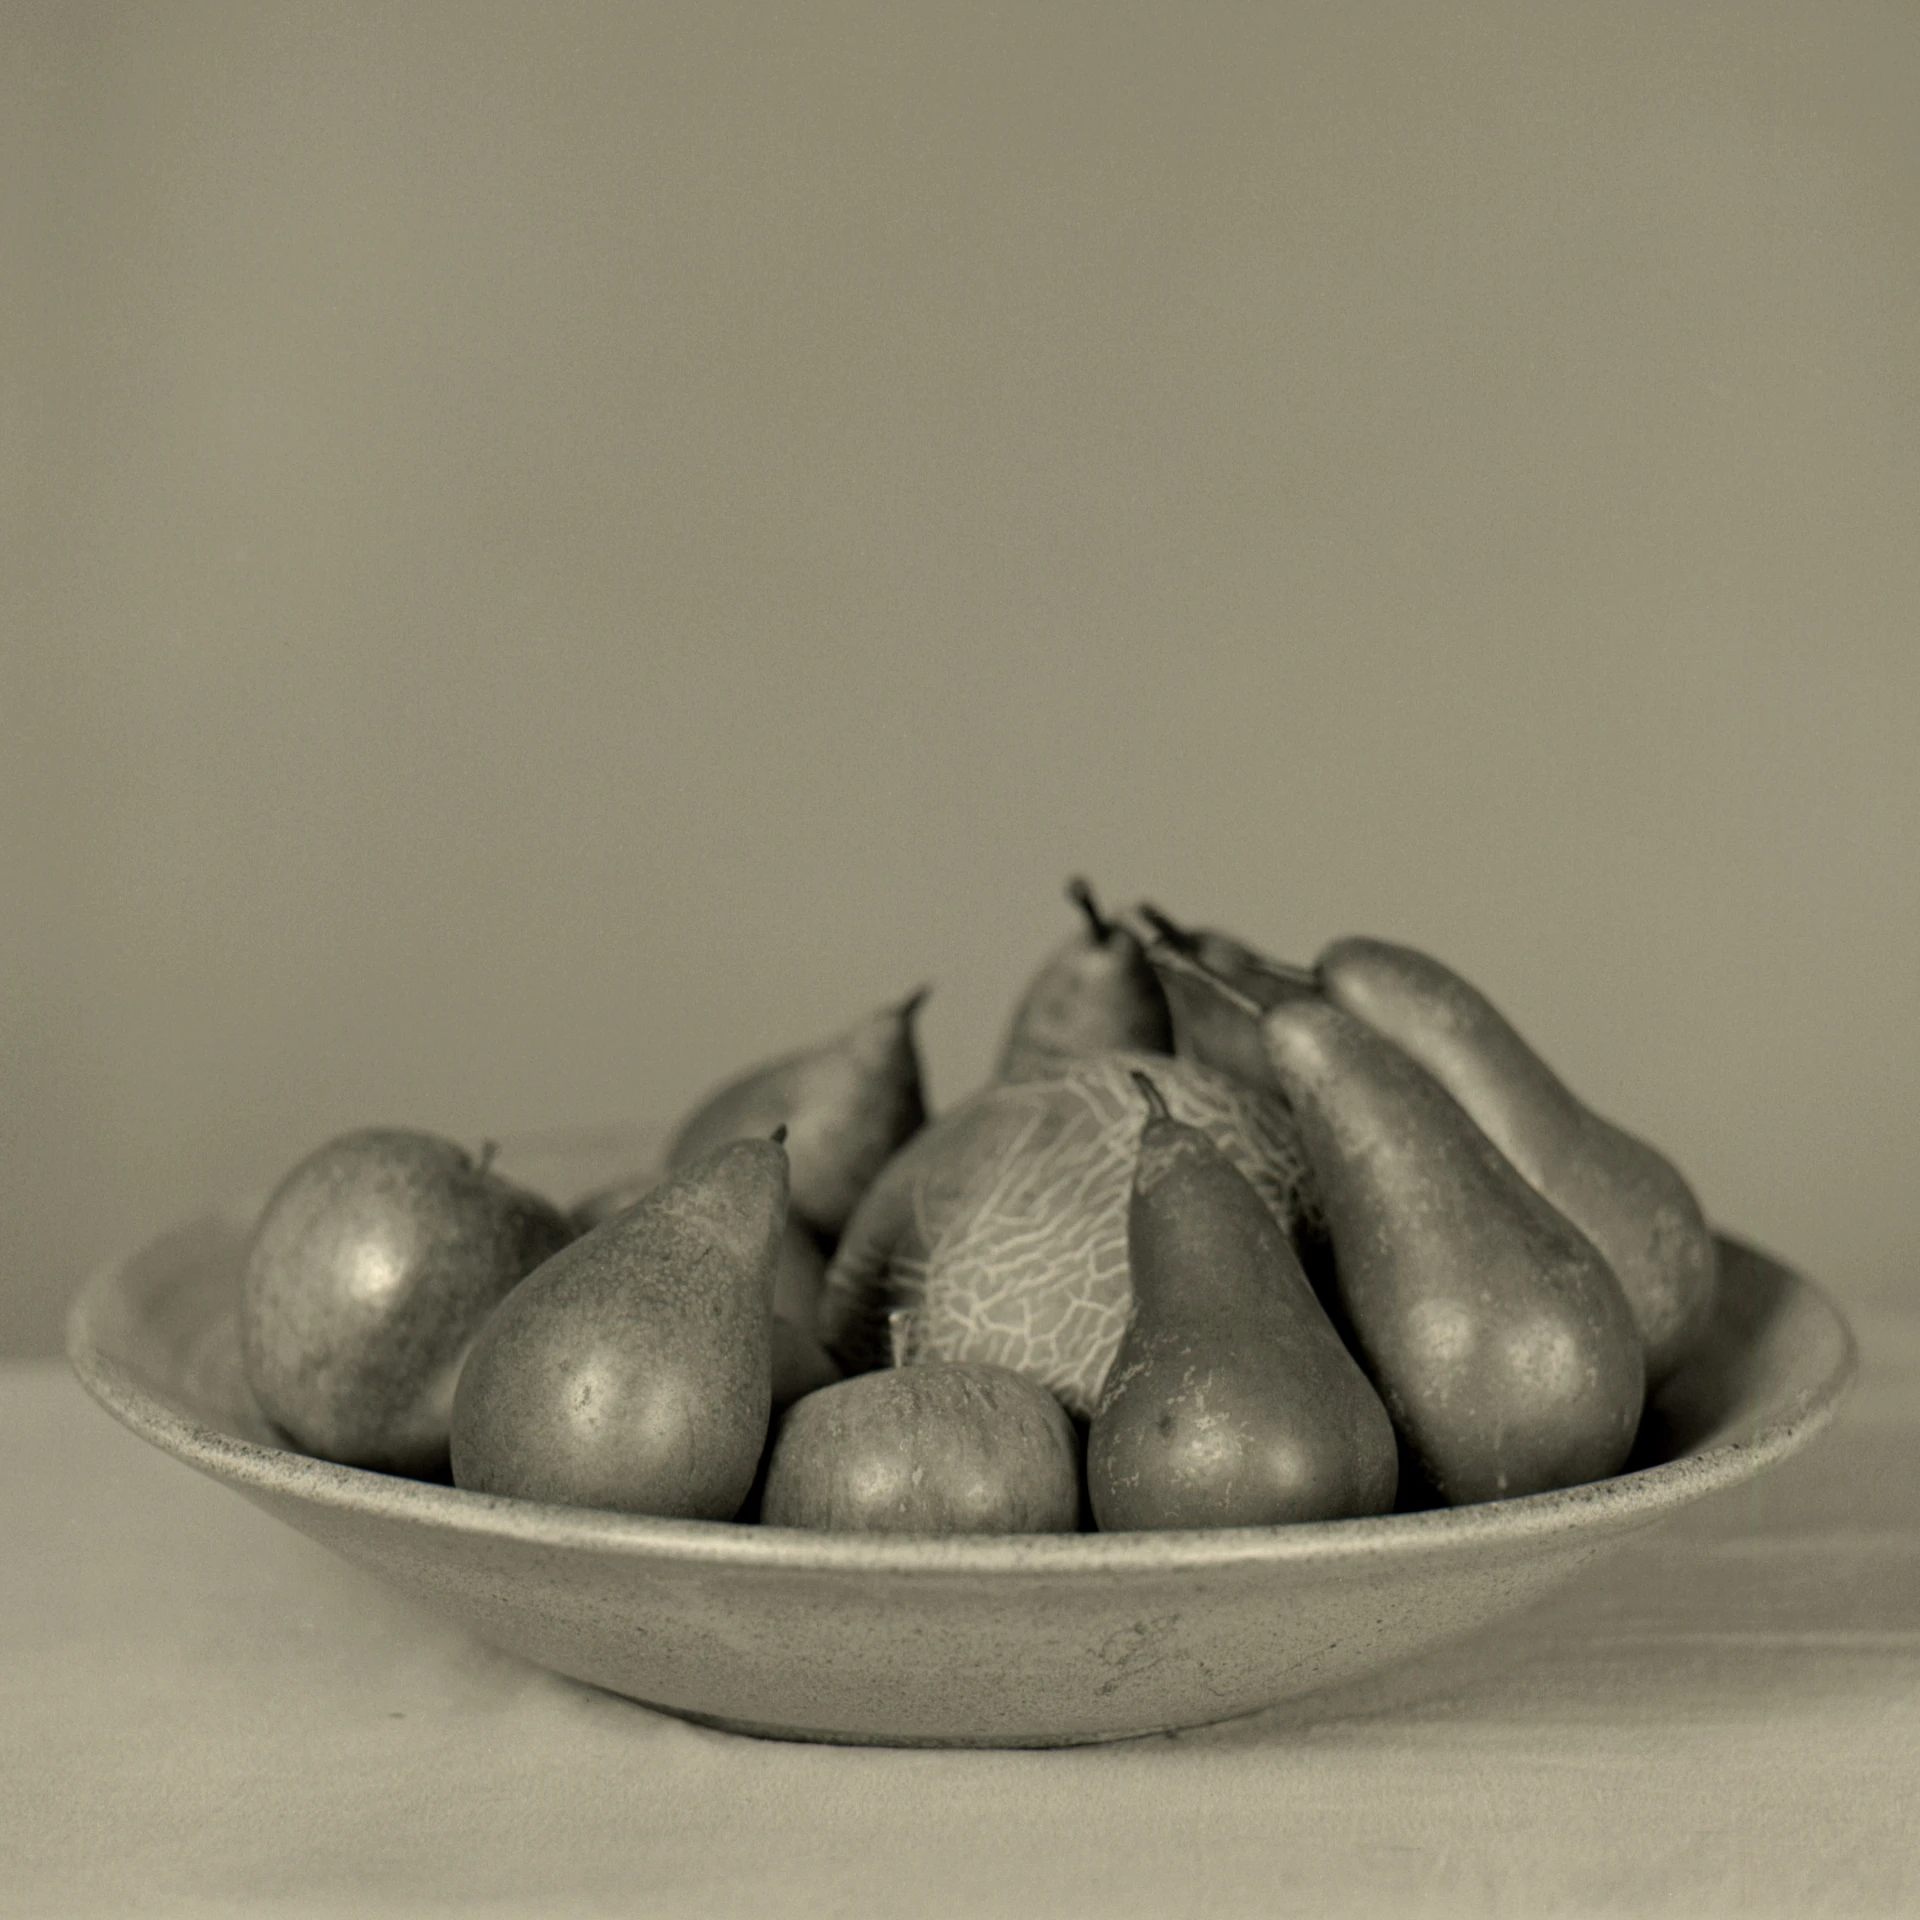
(1041, 1640)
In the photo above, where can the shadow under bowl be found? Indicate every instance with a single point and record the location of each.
(1027, 1641)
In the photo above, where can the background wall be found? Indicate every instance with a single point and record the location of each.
(551, 551)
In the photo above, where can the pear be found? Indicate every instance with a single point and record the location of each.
(1096, 994)
(999, 1232)
(1216, 1029)
(1494, 1330)
(1256, 974)
(1231, 1401)
(800, 1363)
(846, 1105)
(634, 1369)
(1626, 1197)
(803, 1262)
(933, 1449)
(369, 1272)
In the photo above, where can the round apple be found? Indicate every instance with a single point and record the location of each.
(369, 1273)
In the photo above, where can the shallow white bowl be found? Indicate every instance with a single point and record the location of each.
(1041, 1640)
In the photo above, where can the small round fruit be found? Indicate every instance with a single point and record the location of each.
(369, 1273)
(957, 1448)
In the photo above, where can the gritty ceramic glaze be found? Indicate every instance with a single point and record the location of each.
(1042, 1640)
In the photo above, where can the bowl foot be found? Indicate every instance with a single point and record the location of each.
(824, 1736)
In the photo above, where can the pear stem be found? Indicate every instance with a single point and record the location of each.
(1081, 895)
(1184, 964)
(914, 1002)
(899, 1334)
(1156, 1100)
(779, 1135)
(1171, 931)
(1291, 973)
(1176, 939)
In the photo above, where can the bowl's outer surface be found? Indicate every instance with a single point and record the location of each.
(1030, 1641)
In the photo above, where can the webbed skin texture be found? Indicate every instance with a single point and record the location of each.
(999, 1233)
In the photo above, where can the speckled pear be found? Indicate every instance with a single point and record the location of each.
(634, 1369)
(847, 1104)
(800, 1363)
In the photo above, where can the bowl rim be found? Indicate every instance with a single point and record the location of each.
(1632, 1498)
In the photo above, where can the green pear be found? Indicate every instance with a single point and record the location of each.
(1493, 1329)
(999, 1232)
(1219, 1030)
(932, 1449)
(847, 1104)
(1625, 1196)
(369, 1272)
(1231, 1400)
(1096, 994)
(634, 1369)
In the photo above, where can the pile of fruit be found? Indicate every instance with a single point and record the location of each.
(1222, 1242)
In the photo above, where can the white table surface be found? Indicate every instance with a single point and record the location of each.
(202, 1712)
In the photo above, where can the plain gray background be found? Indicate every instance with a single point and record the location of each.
(552, 551)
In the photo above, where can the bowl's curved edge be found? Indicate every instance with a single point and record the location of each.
(101, 1324)
(978, 1743)
(1768, 1318)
